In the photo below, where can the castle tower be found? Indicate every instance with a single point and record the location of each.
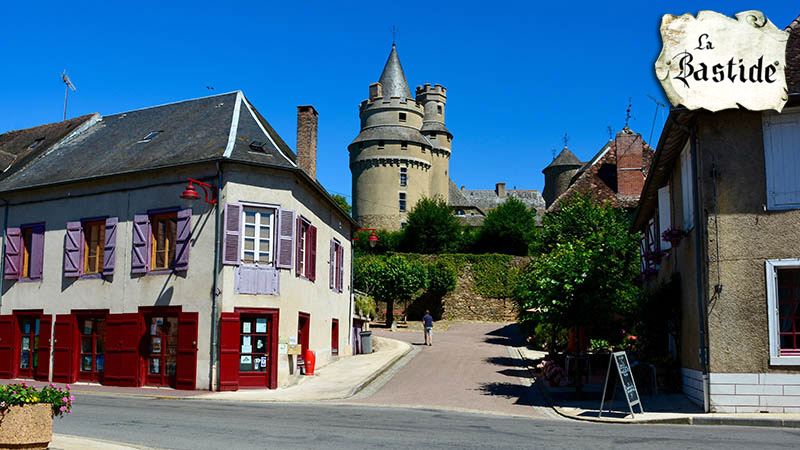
(558, 175)
(391, 160)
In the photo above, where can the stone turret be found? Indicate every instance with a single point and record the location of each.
(433, 100)
(558, 175)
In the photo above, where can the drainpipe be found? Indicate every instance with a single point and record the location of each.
(3, 249)
(352, 297)
(215, 290)
(699, 271)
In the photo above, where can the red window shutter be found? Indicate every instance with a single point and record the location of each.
(302, 236)
(122, 365)
(332, 272)
(183, 241)
(37, 252)
(229, 352)
(311, 271)
(231, 249)
(73, 244)
(13, 253)
(64, 354)
(43, 369)
(340, 279)
(285, 242)
(140, 255)
(186, 376)
(110, 246)
(8, 328)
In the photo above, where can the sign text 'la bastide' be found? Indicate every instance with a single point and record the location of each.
(716, 62)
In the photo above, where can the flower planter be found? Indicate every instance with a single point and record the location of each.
(26, 426)
(676, 242)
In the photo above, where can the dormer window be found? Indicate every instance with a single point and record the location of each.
(36, 143)
(402, 117)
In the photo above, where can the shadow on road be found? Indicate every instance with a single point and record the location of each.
(509, 391)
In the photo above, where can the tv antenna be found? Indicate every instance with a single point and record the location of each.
(67, 86)
(655, 116)
(610, 133)
(628, 115)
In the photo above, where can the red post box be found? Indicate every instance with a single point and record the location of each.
(310, 362)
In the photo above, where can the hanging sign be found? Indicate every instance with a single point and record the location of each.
(620, 360)
(716, 62)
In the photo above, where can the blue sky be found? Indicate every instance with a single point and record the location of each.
(519, 75)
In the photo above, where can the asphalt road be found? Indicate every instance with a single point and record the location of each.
(197, 424)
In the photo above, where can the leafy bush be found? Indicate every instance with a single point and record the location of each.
(390, 279)
(431, 228)
(508, 229)
(22, 394)
(441, 278)
(366, 306)
(598, 345)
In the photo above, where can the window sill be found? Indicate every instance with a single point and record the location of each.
(163, 272)
(91, 276)
(784, 360)
(29, 280)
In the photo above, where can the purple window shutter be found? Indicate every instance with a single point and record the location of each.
(13, 253)
(73, 244)
(261, 280)
(285, 242)
(37, 252)
(332, 265)
(140, 261)
(246, 282)
(110, 246)
(312, 254)
(183, 239)
(302, 238)
(341, 269)
(231, 246)
(273, 282)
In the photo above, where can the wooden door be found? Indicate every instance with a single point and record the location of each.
(335, 337)
(303, 321)
(255, 344)
(43, 349)
(186, 377)
(28, 343)
(91, 349)
(161, 349)
(7, 348)
(123, 337)
(229, 352)
(64, 355)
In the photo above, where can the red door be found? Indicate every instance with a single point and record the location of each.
(161, 349)
(7, 338)
(255, 349)
(335, 337)
(303, 320)
(124, 334)
(63, 349)
(187, 351)
(28, 345)
(229, 352)
(92, 347)
(43, 349)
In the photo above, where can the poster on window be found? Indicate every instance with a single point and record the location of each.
(283, 349)
(246, 327)
(155, 366)
(100, 361)
(261, 343)
(87, 327)
(261, 325)
(155, 345)
(26, 343)
(246, 363)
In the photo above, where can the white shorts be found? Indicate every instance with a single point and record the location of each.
(429, 331)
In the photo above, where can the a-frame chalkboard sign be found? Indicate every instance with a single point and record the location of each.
(626, 377)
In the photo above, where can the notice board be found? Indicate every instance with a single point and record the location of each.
(624, 376)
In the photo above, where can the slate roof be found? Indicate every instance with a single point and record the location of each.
(435, 126)
(19, 146)
(455, 196)
(565, 158)
(392, 133)
(793, 57)
(189, 131)
(487, 199)
(393, 80)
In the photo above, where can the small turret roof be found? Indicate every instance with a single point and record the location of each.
(565, 158)
(393, 80)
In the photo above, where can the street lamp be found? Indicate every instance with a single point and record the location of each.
(372, 240)
(190, 193)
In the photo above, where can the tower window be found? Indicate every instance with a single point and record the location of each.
(439, 109)
(402, 202)
(381, 144)
(403, 176)
(402, 117)
(423, 149)
(404, 145)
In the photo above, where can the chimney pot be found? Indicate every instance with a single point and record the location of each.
(630, 178)
(307, 139)
(500, 189)
(462, 188)
(375, 90)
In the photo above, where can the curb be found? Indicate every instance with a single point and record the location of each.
(360, 386)
(775, 422)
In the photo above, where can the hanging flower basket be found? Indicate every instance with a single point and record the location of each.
(673, 236)
(656, 256)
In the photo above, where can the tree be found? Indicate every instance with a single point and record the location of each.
(509, 229)
(390, 279)
(342, 202)
(583, 273)
(431, 228)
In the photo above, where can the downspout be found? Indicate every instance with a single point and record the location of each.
(352, 297)
(698, 231)
(215, 289)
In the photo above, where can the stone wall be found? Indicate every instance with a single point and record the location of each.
(464, 303)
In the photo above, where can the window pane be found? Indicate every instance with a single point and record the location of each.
(266, 217)
(86, 363)
(100, 362)
(264, 232)
(86, 345)
(249, 216)
(249, 245)
(249, 230)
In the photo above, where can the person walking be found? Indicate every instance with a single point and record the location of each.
(427, 322)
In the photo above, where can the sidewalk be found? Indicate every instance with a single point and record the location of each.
(659, 409)
(67, 442)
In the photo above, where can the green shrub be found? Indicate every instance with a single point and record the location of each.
(508, 229)
(366, 306)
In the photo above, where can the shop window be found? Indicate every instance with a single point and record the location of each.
(93, 348)
(783, 300)
(254, 337)
(161, 241)
(24, 255)
(402, 198)
(28, 345)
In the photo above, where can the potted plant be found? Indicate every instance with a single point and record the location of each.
(673, 236)
(26, 414)
(655, 256)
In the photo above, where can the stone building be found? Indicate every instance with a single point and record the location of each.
(402, 153)
(729, 180)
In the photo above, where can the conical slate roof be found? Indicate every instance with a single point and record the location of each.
(565, 158)
(393, 80)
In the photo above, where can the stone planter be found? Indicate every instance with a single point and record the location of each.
(26, 427)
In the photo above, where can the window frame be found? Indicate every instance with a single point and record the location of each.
(304, 254)
(402, 198)
(771, 267)
(273, 234)
(85, 224)
(402, 117)
(404, 176)
(26, 251)
(170, 262)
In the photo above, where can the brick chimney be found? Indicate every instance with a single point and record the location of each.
(630, 177)
(307, 139)
(500, 189)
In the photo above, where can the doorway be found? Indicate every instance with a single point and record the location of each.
(161, 360)
(335, 338)
(28, 345)
(255, 331)
(303, 325)
(92, 330)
